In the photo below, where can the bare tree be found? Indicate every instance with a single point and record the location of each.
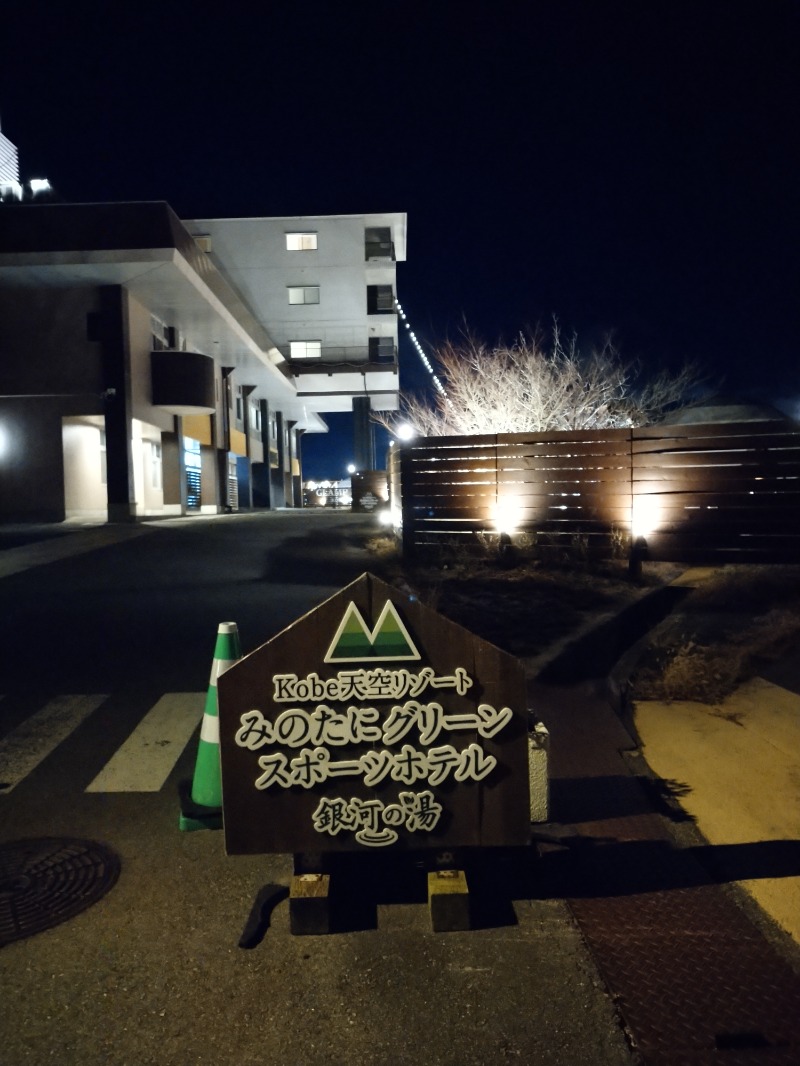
(531, 386)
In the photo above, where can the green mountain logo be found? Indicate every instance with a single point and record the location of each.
(354, 642)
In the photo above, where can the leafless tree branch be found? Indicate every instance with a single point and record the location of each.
(536, 386)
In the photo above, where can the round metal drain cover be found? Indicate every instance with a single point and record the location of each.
(46, 881)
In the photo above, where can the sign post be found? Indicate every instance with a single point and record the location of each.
(373, 724)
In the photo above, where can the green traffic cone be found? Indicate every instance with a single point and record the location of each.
(206, 794)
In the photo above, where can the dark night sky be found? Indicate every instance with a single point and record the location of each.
(628, 166)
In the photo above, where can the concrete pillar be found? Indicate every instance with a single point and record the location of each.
(117, 395)
(363, 434)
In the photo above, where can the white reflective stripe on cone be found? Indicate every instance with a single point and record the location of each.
(219, 666)
(209, 730)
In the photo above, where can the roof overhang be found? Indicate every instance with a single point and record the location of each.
(79, 245)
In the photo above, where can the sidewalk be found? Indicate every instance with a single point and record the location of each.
(695, 975)
(737, 770)
(657, 826)
(734, 768)
(25, 546)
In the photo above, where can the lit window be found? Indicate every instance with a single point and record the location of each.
(301, 242)
(305, 349)
(304, 294)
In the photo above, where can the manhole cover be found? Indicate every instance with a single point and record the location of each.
(46, 881)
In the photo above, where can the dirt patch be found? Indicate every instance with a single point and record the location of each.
(732, 622)
(524, 607)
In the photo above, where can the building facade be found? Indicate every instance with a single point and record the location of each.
(9, 169)
(150, 367)
(324, 287)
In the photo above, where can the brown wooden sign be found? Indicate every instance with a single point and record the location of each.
(373, 723)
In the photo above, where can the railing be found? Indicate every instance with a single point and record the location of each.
(724, 492)
(333, 359)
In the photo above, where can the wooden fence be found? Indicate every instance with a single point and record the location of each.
(717, 492)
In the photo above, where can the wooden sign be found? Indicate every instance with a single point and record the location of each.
(373, 723)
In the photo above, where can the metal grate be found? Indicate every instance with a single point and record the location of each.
(47, 881)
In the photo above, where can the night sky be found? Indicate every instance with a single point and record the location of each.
(625, 166)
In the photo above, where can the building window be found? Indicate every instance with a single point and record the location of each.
(301, 242)
(193, 464)
(382, 350)
(255, 417)
(159, 335)
(305, 349)
(380, 300)
(304, 294)
(378, 243)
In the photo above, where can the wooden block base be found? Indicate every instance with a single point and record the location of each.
(448, 901)
(309, 905)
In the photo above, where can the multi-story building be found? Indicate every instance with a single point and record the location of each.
(9, 169)
(324, 288)
(150, 367)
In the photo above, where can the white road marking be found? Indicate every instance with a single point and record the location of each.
(35, 738)
(146, 759)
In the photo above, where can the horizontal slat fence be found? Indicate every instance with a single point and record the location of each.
(720, 492)
(713, 492)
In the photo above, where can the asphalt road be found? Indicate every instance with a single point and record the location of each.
(152, 973)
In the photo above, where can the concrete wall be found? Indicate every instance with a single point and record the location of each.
(253, 253)
(140, 345)
(45, 346)
(48, 359)
(31, 477)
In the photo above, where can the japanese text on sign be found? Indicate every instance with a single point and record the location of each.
(311, 733)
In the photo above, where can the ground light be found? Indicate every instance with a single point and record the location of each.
(507, 516)
(646, 516)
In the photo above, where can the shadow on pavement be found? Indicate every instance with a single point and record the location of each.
(552, 867)
(591, 799)
(325, 556)
(581, 867)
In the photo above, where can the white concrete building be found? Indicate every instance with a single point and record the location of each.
(149, 367)
(324, 287)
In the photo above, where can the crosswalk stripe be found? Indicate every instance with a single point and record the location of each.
(146, 759)
(35, 738)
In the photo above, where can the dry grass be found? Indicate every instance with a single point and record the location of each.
(528, 607)
(723, 634)
(733, 622)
